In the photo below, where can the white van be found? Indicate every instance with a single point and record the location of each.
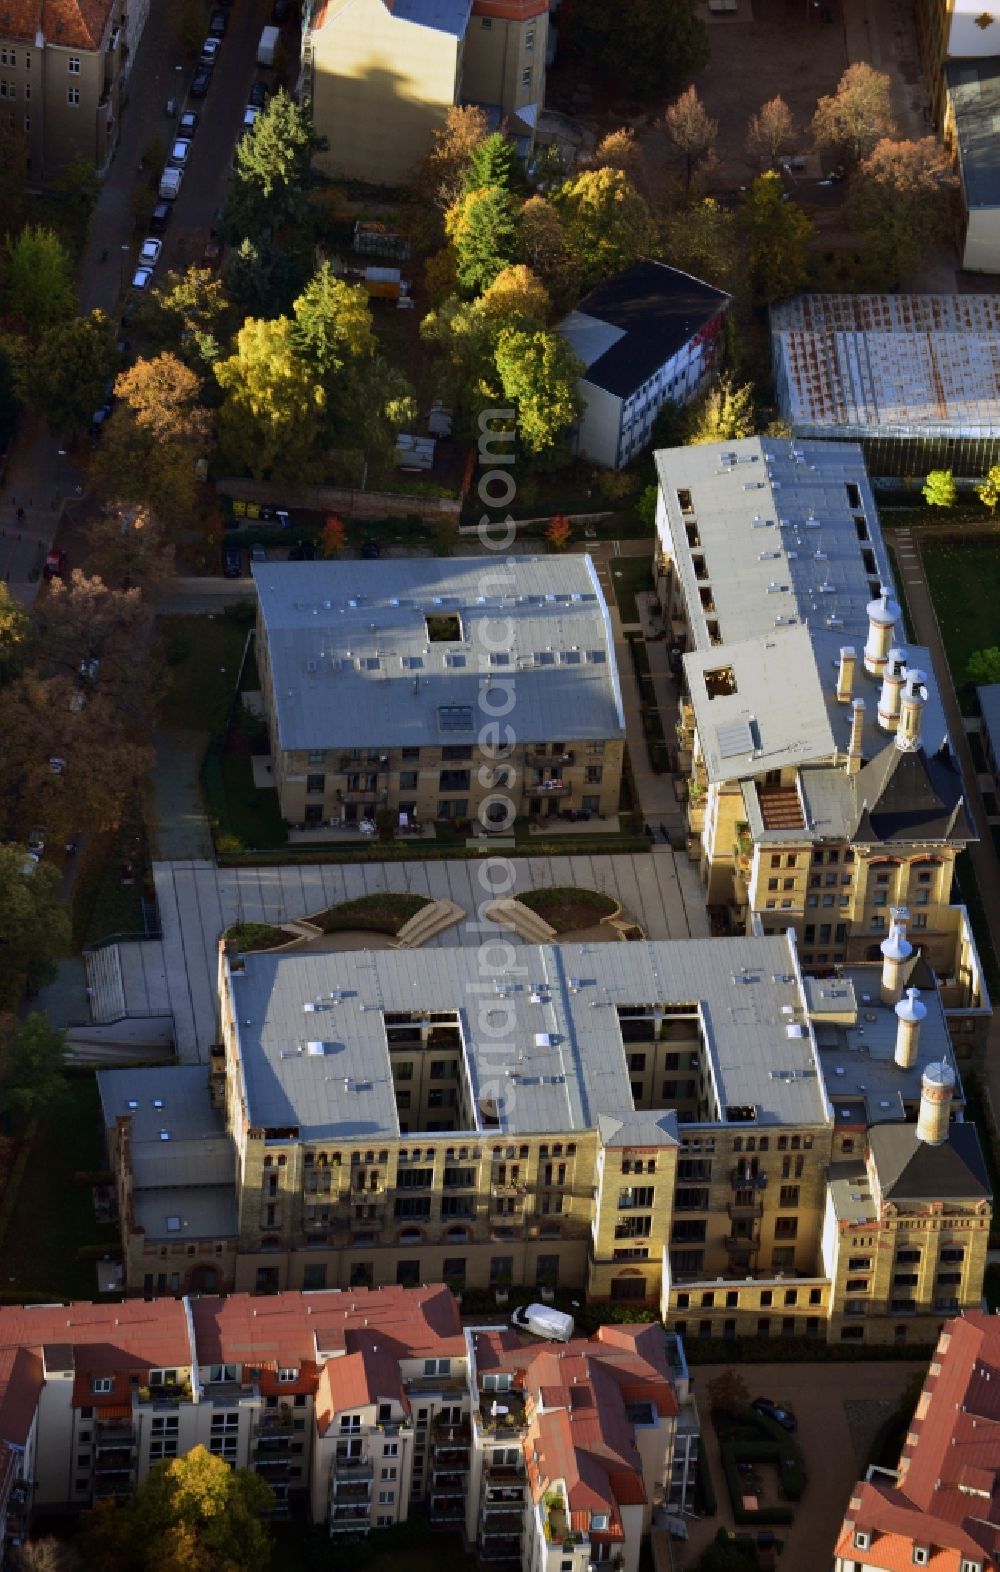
(544, 1321)
(170, 184)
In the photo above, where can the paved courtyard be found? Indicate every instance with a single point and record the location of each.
(197, 901)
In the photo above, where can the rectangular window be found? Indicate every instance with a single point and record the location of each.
(73, 97)
(526, 77)
(529, 41)
(73, 65)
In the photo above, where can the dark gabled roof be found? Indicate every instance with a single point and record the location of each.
(910, 1170)
(659, 310)
(906, 795)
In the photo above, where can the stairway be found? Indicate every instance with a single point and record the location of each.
(105, 984)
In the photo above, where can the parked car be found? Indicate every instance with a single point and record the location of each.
(159, 218)
(141, 277)
(55, 563)
(209, 52)
(371, 550)
(201, 81)
(218, 23)
(258, 553)
(250, 114)
(179, 152)
(259, 94)
(149, 252)
(232, 562)
(187, 125)
(170, 184)
(781, 1416)
(543, 1321)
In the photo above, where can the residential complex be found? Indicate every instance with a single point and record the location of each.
(691, 1125)
(360, 1407)
(938, 1509)
(381, 75)
(62, 67)
(465, 689)
(823, 790)
(912, 378)
(647, 336)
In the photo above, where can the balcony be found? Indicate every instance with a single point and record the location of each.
(349, 1519)
(503, 1521)
(548, 760)
(120, 1460)
(744, 1206)
(354, 766)
(740, 1247)
(506, 1549)
(457, 1384)
(447, 1509)
(502, 1413)
(362, 794)
(351, 1490)
(444, 1483)
(114, 1436)
(548, 789)
(352, 1470)
(272, 1420)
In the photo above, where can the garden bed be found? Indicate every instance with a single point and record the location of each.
(385, 913)
(249, 936)
(566, 909)
(748, 1439)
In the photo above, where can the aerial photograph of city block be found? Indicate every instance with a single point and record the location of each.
(499, 785)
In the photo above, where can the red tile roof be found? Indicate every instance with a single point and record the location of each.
(72, 24)
(948, 1494)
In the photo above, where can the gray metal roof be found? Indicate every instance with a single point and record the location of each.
(201, 1159)
(974, 95)
(989, 705)
(888, 365)
(207, 1212)
(543, 1041)
(788, 579)
(443, 16)
(171, 1098)
(858, 1060)
(353, 664)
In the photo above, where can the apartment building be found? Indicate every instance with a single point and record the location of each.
(909, 377)
(356, 1407)
(650, 335)
(381, 75)
(474, 690)
(62, 67)
(696, 1125)
(938, 1508)
(956, 31)
(823, 791)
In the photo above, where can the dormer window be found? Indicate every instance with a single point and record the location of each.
(102, 1384)
(862, 1539)
(599, 1522)
(921, 1555)
(287, 1375)
(970, 1566)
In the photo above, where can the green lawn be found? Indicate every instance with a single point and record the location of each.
(629, 574)
(243, 812)
(965, 583)
(203, 655)
(53, 1216)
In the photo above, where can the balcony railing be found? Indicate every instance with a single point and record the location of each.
(548, 760)
(363, 794)
(739, 1207)
(353, 1468)
(737, 1245)
(548, 789)
(349, 1519)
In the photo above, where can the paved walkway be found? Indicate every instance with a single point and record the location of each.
(178, 826)
(982, 852)
(818, 1395)
(197, 901)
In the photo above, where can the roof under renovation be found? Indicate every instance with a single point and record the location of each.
(888, 365)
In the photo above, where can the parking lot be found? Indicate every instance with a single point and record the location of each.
(838, 1408)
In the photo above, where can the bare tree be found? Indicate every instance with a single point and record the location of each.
(692, 131)
(857, 116)
(770, 131)
(47, 1555)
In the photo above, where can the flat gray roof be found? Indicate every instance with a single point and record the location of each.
(542, 1041)
(789, 554)
(888, 365)
(207, 1211)
(974, 93)
(171, 1098)
(354, 665)
(858, 1059)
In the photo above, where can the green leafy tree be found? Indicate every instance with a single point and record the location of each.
(39, 280)
(483, 228)
(728, 1392)
(153, 440)
(850, 122)
(15, 634)
(333, 325)
(78, 186)
(900, 200)
(988, 491)
(34, 926)
(650, 46)
(546, 249)
(939, 489)
(539, 372)
(466, 333)
(191, 20)
(189, 314)
(622, 150)
(702, 238)
(608, 224)
(194, 1514)
(32, 1069)
(64, 378)
(438, 178)
(9, 404)
(262, 280)
(777, 235)
(493, 162)
(268, 192)
(984, 667)
(274, 406)
(725, 414)
(13, 178)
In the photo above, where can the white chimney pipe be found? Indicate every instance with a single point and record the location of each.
(854, 747)
(883, 614)
(892, 689)
(937, 1087)
(845, 674)
(896, 951)
(911, 712)
(909, 1013)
